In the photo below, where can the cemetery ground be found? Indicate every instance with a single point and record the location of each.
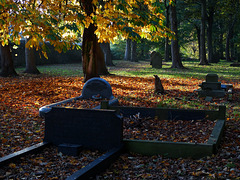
(133, 85)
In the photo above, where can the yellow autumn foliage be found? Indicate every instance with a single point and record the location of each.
(58, 21)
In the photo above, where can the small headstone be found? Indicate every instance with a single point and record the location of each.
(212, 78)
(156, 60)
(97, 88)
(70, 149)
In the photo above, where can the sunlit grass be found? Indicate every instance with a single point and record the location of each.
(193, 69)
(144, 69)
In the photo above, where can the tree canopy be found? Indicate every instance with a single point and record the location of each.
(62, 22)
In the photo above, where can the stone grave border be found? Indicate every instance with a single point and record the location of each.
(176, 149)
(168, 149)
(90, 170)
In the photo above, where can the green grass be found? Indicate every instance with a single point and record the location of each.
(193, 69)
(144, 69)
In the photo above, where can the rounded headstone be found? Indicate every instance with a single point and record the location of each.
(156, 60)
(97, 88)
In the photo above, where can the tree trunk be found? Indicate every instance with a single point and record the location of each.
(229, 37)
(176, 59)
(134, 52)
(31, 67)
(203, 58)
(107, 53)
(167, 46)
(199, 41)
(127, 56)
(92, 55)
(220, 42)
(211, 59)
(7, 67)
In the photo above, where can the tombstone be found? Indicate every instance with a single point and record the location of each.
(156, 60)
(97, 88)
(151, 55)
(211, 87)
(211, 83)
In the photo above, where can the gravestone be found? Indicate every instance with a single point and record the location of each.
(211, 83)
(151, 55)
(211, 87)
(156, 60)
(97, 88)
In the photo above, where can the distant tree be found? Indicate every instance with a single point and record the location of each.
(107, 53)
(134, 51)
(7, 68)
(31, 67)
(203, 58)
(210, 19)
(176, 58)
(128, 50)
(233, 14)
(167, 46)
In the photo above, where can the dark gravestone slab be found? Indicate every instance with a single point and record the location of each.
(212, 78)
(156, 60)
(70, 149)
(151, 55)
(97, 88)
(97, 129)
(211, 87)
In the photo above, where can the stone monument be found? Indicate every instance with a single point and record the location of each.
(97, 88)
(156, 60)
(211, 87)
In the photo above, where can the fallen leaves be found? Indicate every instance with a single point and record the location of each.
(195, 131)
(49, 164)
(21, 126)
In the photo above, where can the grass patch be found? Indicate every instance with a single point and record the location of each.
(193, 70)
(144, 69)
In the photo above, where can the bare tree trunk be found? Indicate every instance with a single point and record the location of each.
(209, 35)
(199, 41)
(107, 53)
(221, 44)
(176, 59)
(31, 67)
(7, 67)
(134, 52)
(167, 46)
(203, 58)
(128, 50)
(229, 37)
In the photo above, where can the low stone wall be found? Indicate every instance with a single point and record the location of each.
(54, 57)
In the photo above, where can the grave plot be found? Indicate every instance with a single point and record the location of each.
(72, 129)
(101, 128)
(49, 163)
(46, 161)
(94, 91)
(195, 131)
(172, 132)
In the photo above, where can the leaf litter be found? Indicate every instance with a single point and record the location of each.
(22, 127)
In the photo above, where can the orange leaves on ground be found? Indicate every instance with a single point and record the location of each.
(22, 97)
